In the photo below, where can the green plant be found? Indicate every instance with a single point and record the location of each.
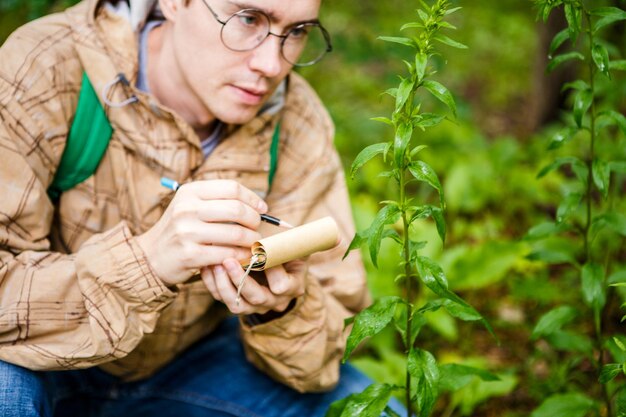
(589, 215)
(395, 221)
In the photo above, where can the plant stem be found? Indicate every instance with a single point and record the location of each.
(596, 312)
(408, 278)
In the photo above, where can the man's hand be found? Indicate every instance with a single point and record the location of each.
(206, 223)
(284, 283)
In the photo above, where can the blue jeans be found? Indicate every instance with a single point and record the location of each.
(212, 378)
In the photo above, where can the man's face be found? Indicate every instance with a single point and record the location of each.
(224, 84)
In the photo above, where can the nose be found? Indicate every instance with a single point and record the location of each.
(267, 58)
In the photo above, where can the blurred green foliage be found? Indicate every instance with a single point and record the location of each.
(488, 161)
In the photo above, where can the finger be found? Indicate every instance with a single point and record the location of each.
(209, 280)
(222, 234)
(228, 211)
(282, 283)
(228, 292)
(251, 291)
(207, 255)
(225, 190)
(298, 267)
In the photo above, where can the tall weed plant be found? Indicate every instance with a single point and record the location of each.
(425, 378)
(587, 233)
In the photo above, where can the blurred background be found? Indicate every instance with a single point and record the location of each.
(487, 160)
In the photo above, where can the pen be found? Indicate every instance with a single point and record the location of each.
(174, 185)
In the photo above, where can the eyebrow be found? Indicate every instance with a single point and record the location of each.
(270, 14)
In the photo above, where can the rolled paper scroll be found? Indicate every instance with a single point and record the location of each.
(295, 243)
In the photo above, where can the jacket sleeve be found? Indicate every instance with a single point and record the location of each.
(58, 311)
(304, 347)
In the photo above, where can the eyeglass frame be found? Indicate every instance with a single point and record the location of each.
(329, 46)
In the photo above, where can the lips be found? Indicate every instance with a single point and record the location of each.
(250, 95)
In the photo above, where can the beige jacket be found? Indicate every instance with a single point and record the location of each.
(75, 288)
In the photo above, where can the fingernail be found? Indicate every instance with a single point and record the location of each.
(262, 206)
(219, 269)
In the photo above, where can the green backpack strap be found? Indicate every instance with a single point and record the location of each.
(86, 144)
(274, 155)
(89, 138)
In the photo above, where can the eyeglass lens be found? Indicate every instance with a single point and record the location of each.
(304, 44)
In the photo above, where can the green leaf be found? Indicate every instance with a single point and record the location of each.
(445, 24)
(618, 166)
(384, 120)
(558, 162)
(390, 233)
(620, 403)
(417, 323)
(403, 93)
(402, 139)
(618, 279)
(619, 119)
(461, 311)
(431, 274)
(423, 15)
(387, 215)
(557, 41)
(553, 320)
(546, 229)
(390, 413)
(356, 242)
(576, 85)
(573, 404)
(573, 16)
(615, 221)
(365, 155)
(421, 60)
(452, 10)
(568, 205)
(371, 321)
(423, 367)
(429, 120)
(441, 93)
(400, 40)
(475, 266)
(421, 171)
(479, 392)
(440, 222)
(582, 102)
(412, 25)
(619, 344)
(552, 257)
(618, 65)
(544, 11)
(393, 92)
(569, 341)
(601, 172)
(369, 403)
(450, 42)
(601, 58)
(561, 58)
(562, 137)
(433, 277)
(593, 286)
(337, 407)
(609, 372)
(453, 376)
(609, 15)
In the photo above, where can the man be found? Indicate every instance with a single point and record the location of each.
(102, 311)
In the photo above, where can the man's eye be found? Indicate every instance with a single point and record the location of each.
(299, 32)
(248, 19)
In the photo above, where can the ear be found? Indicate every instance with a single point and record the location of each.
(170, 8)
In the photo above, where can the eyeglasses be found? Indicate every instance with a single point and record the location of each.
(303, 45)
